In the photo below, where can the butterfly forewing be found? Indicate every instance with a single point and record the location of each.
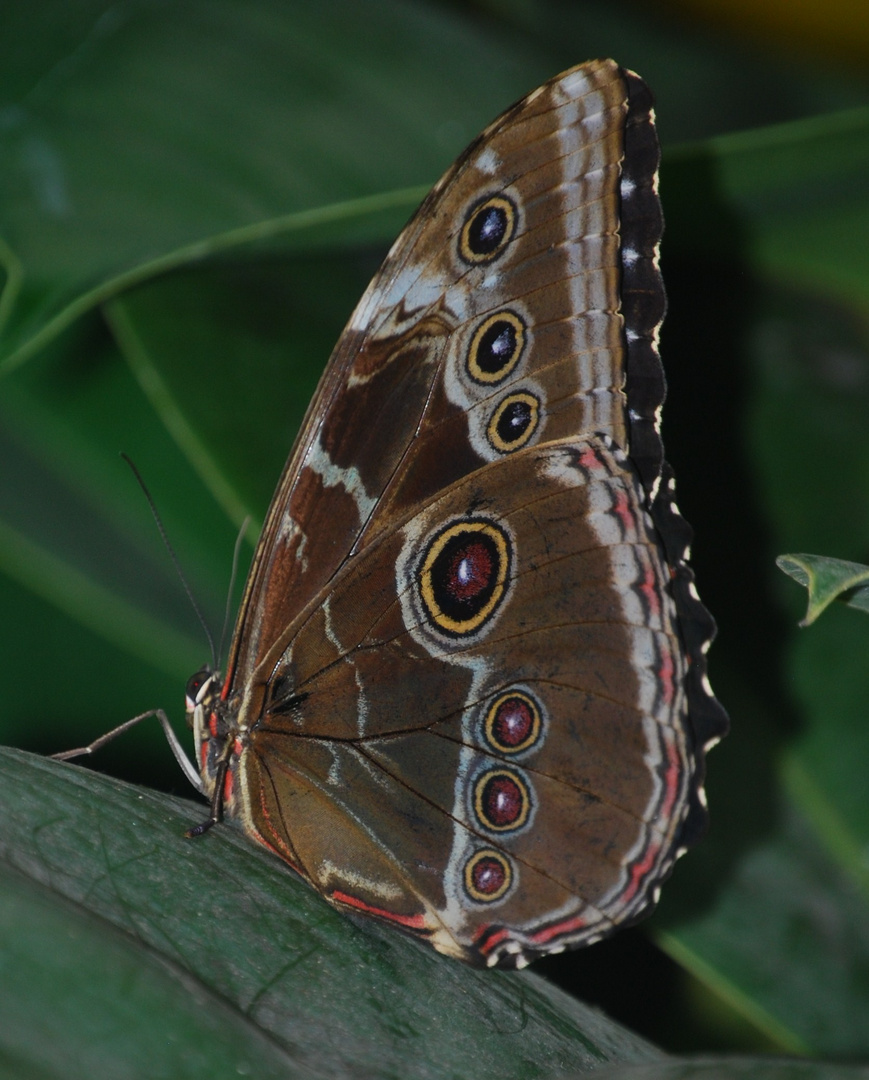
(459, 696)
(402, 409)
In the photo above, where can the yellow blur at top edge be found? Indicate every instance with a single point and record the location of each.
(836, 30)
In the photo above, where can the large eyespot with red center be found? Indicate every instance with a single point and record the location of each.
(513, 422)
(464, 575)
(513, 723)
(488, 876)
(488, 228)
(502, 800)
(496, 348)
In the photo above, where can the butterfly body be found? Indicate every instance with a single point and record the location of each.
(466, 693)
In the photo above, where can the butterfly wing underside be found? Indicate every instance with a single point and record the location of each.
(469, 653)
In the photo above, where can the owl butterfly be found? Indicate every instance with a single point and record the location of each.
(466, 693)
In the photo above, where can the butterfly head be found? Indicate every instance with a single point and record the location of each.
(207, 718)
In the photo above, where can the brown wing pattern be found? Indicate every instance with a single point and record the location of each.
(397, 415)
(392, 738)
(467, 690)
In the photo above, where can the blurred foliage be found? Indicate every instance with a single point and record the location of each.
(837, 30)
(193, 195)
(827, 580)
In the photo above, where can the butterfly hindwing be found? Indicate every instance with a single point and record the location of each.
(411, 707)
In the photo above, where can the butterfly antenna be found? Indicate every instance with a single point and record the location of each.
(227, 614)
(173, 556)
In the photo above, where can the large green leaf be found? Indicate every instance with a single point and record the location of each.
(737, 1068)
(272, 111)
(210, 957)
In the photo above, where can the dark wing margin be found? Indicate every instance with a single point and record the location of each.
(644, 305)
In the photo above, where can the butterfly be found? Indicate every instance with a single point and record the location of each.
(467, 693)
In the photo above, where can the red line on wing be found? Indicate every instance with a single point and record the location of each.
(494, 940)
(415, 922)
(672, 781)
(638, 872)
(624, 513)
(567, 926)
(224, 692)
(671, 785)
(649, 589)
(666, 674)
(276, 845)
(260, 839)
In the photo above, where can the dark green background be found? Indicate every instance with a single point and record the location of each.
(193, 196)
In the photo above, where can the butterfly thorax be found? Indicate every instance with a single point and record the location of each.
(219, 739)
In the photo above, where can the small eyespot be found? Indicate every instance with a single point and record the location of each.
(496, 347)
(513, 422)
(512, 723)
(502, 802)
(488, 876)
(488, 229)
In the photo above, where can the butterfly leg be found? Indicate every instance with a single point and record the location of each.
(187, 766)
(217, 794)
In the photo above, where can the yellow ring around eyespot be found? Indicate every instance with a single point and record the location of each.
(497, 202)
(471, 864)
(492, 377)
(489, 723)
(495, 439)
(481, 782)
(445, 622)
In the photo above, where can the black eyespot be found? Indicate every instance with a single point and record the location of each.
(514, 422)
(496, 347)
(488, 229)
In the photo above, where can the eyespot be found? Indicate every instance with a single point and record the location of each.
(496, 348)
(488, 876)
(512, 723)
(513, 422)
(488, 229)
(464, 575)
(502, 801)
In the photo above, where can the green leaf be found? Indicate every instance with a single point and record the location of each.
(789, 922)
(211, 954)
(794, 192)
(827, 580)
(90, 1000)
(742, 1068)
(272, 122)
